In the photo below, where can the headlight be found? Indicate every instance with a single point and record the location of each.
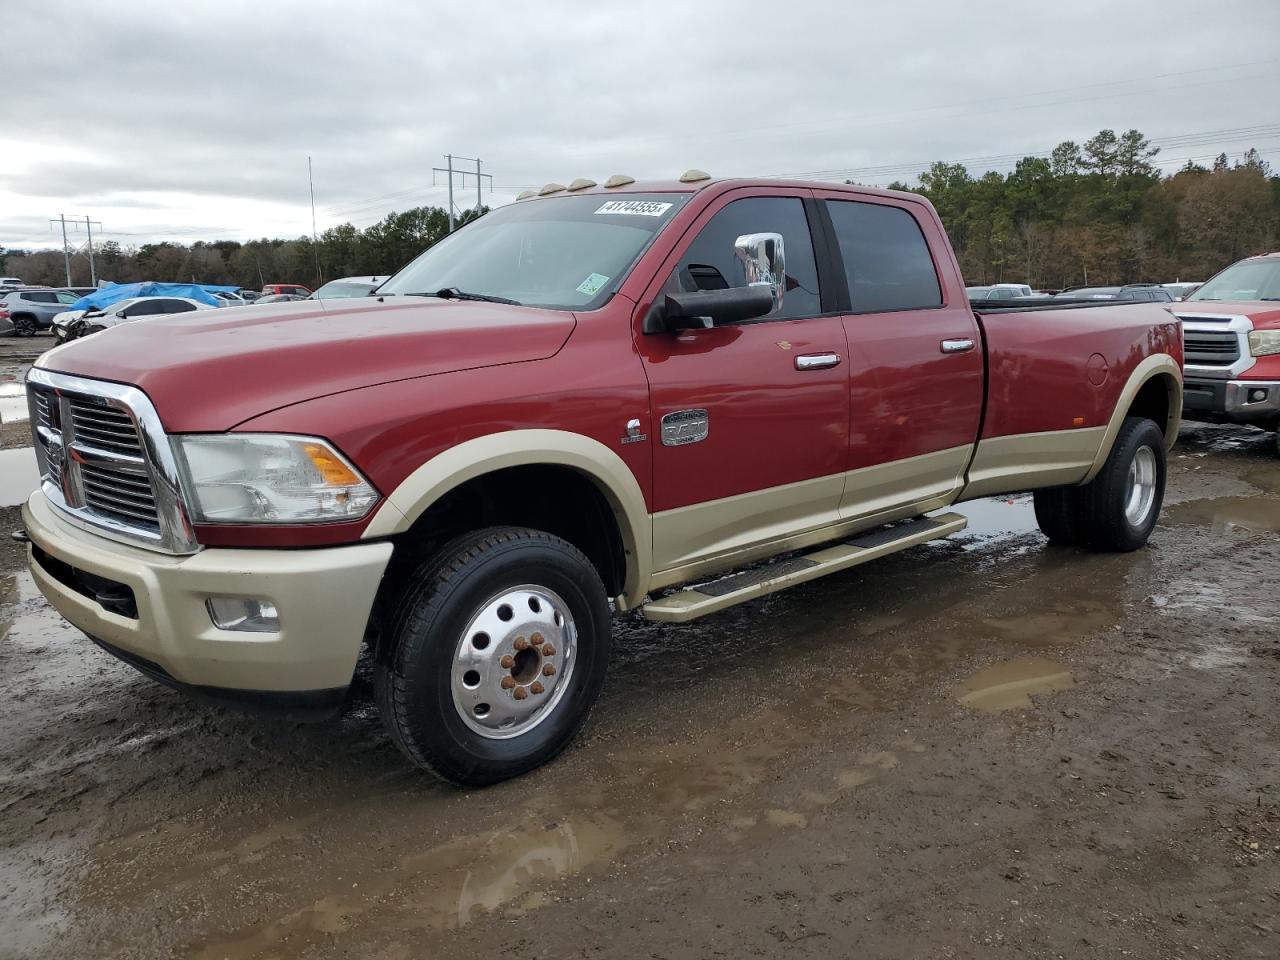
(1264, 343)
(269, 478)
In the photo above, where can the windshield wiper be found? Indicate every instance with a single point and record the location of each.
(453, 293)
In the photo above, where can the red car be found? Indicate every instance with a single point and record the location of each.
(1232, 326)
(564, 410)
(294, 289)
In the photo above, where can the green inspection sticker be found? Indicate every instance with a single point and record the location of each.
(591, 286)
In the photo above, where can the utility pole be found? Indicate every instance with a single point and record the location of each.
(93, 269)
(449, 172)
(66, 247)
(66, 252)
(315, 242)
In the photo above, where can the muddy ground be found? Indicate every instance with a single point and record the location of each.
(982, 747)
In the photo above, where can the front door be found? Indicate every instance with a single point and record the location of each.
(751, 420)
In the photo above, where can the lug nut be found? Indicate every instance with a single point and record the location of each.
(536, 687)
(521, 643)
(507, 662)
(548, 650)
(520, 693)
(536, 639)
(548, 669)
(508, 683)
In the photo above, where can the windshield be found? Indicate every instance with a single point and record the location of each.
(565, 252)
(339, 288)
(1247, 280)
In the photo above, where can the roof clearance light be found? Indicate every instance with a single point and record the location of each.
(526, 194)
(619, 180)
(551, 188)
(693, 176)
(581, 184)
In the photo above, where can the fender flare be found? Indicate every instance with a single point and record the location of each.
(1157, 365)
(515, 448)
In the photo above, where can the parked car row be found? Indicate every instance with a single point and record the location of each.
(1157, 292)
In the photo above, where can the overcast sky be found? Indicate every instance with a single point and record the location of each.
(193, 120)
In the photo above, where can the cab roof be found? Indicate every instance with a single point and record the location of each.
(711, 183)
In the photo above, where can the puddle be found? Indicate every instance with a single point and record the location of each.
(1222, 514)
(1265, 478)
(18, 476)
(1010, 685)
(464, 880)
(996, 518)
(13, 403)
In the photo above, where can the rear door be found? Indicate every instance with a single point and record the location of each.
(916, 370)
(750, 420)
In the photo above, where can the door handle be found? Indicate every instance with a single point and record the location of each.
(962, 345)
(817, 361)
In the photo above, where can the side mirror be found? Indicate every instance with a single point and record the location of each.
(763, 262)
(706, 308)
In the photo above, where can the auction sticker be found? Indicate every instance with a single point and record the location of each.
(591, 286)
(633, 208)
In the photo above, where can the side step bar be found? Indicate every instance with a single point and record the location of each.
(716, 595)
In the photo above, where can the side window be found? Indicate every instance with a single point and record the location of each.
(178, 306)
(68, 297)
(710, 262)
(886, 258)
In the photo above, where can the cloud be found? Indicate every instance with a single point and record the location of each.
(182, 118)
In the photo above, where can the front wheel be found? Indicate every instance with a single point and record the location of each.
(24, 327)
(495, 654)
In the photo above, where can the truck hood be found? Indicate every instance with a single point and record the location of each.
(212, 369)
(1265, 314)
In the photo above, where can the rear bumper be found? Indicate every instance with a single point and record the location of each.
(149, 609)
(1238, 401)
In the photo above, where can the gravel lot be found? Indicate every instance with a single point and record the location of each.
(982, 747)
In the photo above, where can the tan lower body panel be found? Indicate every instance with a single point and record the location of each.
(1030, 460)
(688, 605)
(707, 538)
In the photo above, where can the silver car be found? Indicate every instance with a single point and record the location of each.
(31, 309)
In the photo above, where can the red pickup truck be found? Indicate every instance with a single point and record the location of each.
(1232, 326)
(570, 408)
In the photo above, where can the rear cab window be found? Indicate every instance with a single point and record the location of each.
(886, 258)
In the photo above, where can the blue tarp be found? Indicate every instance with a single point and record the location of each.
(125, 291)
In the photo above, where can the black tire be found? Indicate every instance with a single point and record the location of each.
(1058, 515)
(413, 675)
(1106, 526)
(24, 326)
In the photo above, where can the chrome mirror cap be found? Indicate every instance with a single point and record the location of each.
(763, 263)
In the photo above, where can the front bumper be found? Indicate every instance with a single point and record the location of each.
(149, 608)
(1239, 401)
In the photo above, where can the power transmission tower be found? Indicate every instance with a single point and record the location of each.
(450, 170)
(66, 249)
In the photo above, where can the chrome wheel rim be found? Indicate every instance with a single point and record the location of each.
(1141, 489)
(513, 663)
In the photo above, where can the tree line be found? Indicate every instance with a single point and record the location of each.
(344, 251)
(1102, 213)
(1099, 212)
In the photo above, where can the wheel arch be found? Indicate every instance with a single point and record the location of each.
(1154, 389)
(512, 455)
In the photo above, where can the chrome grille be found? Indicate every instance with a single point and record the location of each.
(1211, 348)
(101, 426)
(106, 462)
